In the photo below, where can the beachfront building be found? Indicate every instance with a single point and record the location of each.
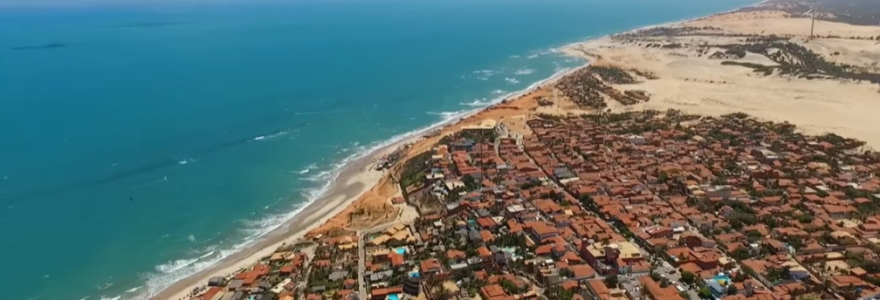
(740, 209)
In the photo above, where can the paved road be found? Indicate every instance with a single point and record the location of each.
(362, 256)
(362, 261)
(674, 276)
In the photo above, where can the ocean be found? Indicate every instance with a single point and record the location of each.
(144, 141)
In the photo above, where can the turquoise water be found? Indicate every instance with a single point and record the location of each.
(393, 297)
(143, 143)
(400, 250)
(721, 278)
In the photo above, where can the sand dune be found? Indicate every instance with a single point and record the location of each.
(696, 83)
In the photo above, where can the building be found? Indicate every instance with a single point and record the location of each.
(612, 258)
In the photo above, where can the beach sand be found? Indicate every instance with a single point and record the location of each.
(687, 81)
(359, 198)
(355, 180)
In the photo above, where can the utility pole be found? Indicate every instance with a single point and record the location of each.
(812, 25)
(812, 14)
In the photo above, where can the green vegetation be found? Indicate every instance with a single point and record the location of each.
(796, 242)
(612, 281)
(530, 184)
(731, 289)
(754, 236)
(557, 292)
(856, 259)
(688, 277)
(613, 75)
(511, 287)
(705, 293)
(741, 254)
(414, 169)
(797, 60)
(765, 70)
(777, 274)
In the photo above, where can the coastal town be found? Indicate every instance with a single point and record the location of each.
(646, 205)
(580, 190)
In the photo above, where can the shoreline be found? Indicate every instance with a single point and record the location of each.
(353, 181)
(355, 172)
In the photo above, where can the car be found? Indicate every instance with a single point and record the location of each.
(671, 271)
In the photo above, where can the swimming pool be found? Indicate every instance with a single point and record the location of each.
(400, 250)
(721, 279)
(393, 297)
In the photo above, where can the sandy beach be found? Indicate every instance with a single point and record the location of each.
(687, 79)
(356, 179)
(358, 188)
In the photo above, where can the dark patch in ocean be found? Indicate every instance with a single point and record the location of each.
(147, 24)
(167, 163)
(40, 47)
(149, 166)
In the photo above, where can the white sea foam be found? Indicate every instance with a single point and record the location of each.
(445, 114)
(104, 286)
(156, 282)
(110, 298)
(172, 266)
(271, 136)
(478, 102)
(321, 176)
(497, 92)
(542, 52)
(206, 255)
(486, 73)
(524, 71)
(132, 290)
(511, 80)
(308, 168)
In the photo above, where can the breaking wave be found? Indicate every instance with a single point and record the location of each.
(524, 71)
(307, 169)
(175, 265)
(478, 102)
(542, 52)
(445, 114)
(511, 80)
